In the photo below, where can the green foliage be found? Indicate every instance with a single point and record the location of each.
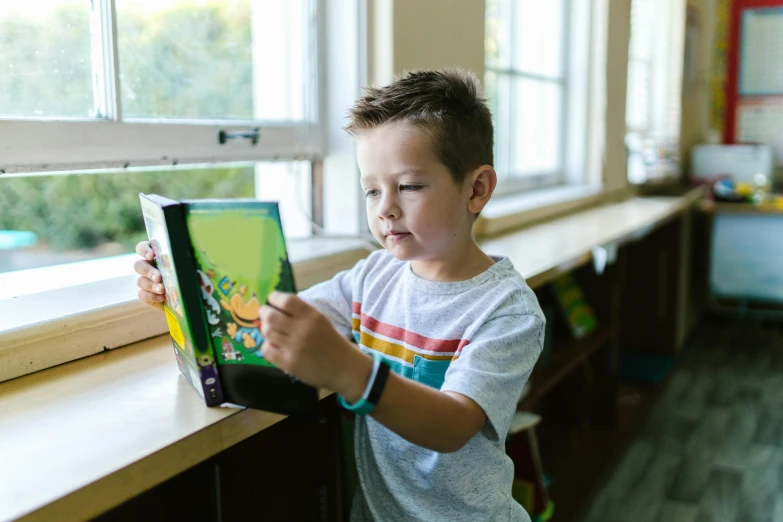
(45, 64)
(189, 61)
(192, 60)
(85, 210)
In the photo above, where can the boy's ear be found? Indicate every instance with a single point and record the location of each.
(482, 182)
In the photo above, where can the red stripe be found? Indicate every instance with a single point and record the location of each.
(356, 307)
(411, 338)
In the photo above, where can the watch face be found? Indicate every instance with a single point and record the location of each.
(379, 383)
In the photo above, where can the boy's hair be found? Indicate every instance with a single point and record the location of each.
(446, 105)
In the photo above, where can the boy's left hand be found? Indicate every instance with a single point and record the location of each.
(301, 341)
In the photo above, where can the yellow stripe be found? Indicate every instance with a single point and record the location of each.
(397, 350)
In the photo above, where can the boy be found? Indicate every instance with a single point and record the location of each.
(460, 330)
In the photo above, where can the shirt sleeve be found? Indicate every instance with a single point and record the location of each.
(494, 366)
(334, 298)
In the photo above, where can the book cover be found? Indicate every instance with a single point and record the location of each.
(229, 256)
(577, 311)
(241, 257)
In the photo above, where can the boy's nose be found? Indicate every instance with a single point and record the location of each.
(388, 209)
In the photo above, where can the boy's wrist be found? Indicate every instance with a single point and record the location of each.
(354, 375)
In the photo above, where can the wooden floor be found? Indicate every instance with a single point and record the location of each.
(711, 449)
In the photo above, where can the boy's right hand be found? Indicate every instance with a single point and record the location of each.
(150, 284)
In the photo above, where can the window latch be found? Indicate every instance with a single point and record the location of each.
(252, 135)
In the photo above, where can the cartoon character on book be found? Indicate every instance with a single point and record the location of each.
(229, 353)
(208, 369)
(245, 328)
(211, 306)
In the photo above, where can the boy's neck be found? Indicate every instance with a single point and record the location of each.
(462, 263)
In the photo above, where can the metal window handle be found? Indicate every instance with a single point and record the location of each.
(252, 135)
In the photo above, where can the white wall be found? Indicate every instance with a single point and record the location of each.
(424, 34)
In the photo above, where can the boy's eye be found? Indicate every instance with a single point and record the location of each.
(409, 188)
(371, 193)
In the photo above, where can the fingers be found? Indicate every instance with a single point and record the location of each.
(150, 286)
(275, 355)
(145, 269)
(150, 298)
(144, 249)
(287, 303)
(273, 321)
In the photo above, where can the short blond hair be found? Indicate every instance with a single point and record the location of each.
(446, 104)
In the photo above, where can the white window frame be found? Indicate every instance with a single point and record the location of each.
(576, 81)
(93, 305)
(111, 140)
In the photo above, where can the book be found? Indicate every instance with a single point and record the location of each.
(219, 260)
(572, 302)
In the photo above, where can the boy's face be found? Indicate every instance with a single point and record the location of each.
(414, 207)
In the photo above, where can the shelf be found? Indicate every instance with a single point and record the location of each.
(565, 359)
(711, 207)
(579, 471)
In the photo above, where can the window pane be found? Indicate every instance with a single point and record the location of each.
(218, 59)
(538, 36)
(536, 124)
(642, 26)
(50, 220)
(638, 93)
(497, 44)
(290, 184)
(45, 58)
(498, 92)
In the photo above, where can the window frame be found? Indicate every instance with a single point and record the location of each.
(55, 144)
(510, 182)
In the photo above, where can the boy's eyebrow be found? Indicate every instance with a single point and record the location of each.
(406, 172)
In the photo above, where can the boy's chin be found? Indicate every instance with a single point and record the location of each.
(400, 252)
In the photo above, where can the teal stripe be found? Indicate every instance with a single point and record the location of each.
(396, 366)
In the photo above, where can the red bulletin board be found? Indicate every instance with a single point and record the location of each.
(743, 55)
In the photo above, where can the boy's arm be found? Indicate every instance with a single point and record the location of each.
(485, 382)
(436, 420)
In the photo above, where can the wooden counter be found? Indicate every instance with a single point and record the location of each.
(542, 252)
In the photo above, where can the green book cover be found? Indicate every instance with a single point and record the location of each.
(577, 311)
(239, 257)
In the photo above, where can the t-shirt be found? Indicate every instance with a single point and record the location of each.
(479, 338)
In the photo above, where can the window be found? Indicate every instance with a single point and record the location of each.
(655, 60)
(103, 99)
(539, 57)
(526, 82)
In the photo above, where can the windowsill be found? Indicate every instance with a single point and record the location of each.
(98, 310)
(515, 211)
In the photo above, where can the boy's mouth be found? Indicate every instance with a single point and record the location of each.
(396, 235)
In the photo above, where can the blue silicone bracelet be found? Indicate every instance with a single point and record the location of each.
(363, 406)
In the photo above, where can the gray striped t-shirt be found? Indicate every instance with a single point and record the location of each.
(480, 338)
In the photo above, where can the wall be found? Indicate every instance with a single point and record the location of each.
(424, 34)
(618, 37)
(696, 101)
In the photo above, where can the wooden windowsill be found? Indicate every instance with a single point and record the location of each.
(83, 437)
(41, 330)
